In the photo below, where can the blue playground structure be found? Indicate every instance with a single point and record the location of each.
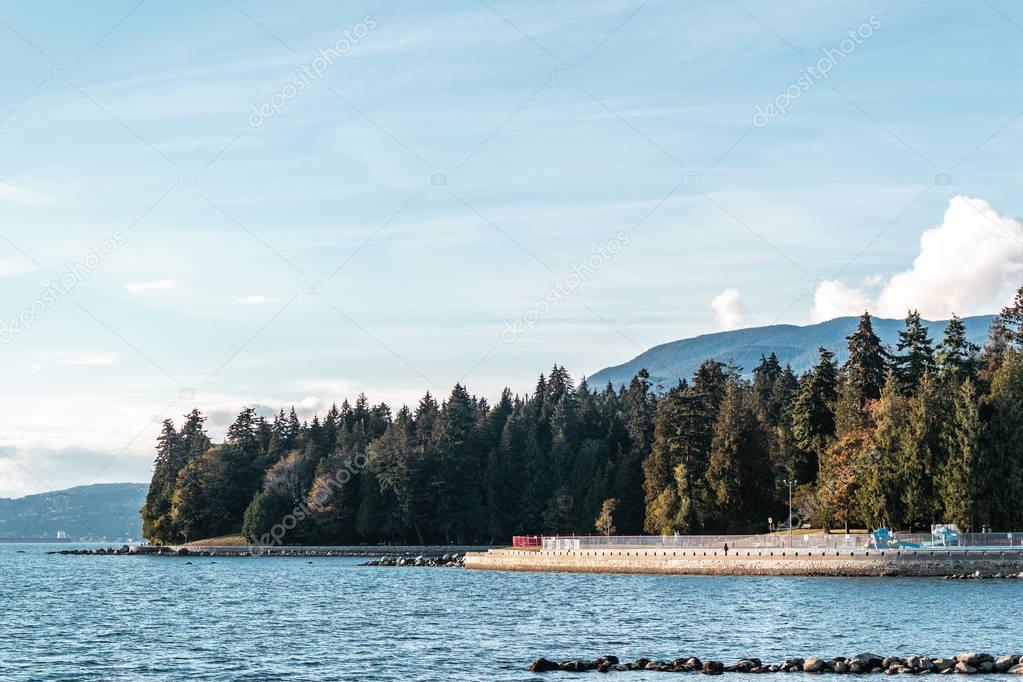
(882, 538)
(942, 535)
(945, 535)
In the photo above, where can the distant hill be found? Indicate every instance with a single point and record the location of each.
(794, 345)
(105, 511)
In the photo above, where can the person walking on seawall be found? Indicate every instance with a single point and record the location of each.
(726, 549)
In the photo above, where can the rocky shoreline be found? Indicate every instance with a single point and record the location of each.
(395, 558)
(971, 663)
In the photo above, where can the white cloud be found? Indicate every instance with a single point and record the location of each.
(74, 358)
(729, 312)
(252, 299)
(970, 264)
(834, 299)
(158, 285)
(21, 195)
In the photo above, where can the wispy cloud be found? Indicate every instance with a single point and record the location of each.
(74, 358)
(156, 285)
(252, 299)
(20, 194)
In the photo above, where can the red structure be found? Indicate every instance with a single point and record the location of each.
(527, 541)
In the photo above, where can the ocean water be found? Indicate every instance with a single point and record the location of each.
(137, 617)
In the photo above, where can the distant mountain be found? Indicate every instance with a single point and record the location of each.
(105, 511)
(794, 345)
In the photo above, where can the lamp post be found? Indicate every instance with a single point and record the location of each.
(790, 484)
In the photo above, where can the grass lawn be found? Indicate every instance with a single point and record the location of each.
(222, 541)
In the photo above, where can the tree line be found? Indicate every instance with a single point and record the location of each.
(929, 431)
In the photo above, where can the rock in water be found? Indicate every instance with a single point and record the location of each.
(713, 667)
(1003, 663)
(868, 661)
(542, 665)
(813, 665)
(973, 659)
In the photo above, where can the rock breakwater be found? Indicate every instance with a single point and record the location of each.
(971, 663)
(442, 561)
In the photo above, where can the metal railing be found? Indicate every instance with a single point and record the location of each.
(777, 541)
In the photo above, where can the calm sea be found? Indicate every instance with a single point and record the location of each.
(127, 617)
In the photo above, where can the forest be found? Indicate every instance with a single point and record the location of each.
(929, 431)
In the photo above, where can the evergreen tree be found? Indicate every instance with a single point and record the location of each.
(958, 476)
(813, 418)
(638, 409)
(880, 489)
(1012, 320)
(868, 361)
(458, 480)
(916, 354)
(922, 453)
(765, 378)
(739, 473)
(156, 512)
(957, 357)
(1002, 452)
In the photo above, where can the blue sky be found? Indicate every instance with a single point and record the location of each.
(446, 174)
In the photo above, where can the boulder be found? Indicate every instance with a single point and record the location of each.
(973, 659)
(813, 665)
(841, 667)
(613, 660)
(542, 665)
(1016, 669)
(963, 668)
(183, 551)
(576, 666)
(891, 661)
(868, 661)
(1003, 663)
(745, 665)
(713, 668)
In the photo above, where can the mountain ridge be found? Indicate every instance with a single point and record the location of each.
(100, 511)
(793, 344)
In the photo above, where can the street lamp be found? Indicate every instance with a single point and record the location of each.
(790, 484)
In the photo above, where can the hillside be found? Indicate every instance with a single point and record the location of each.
(106, 511)
(794, 345)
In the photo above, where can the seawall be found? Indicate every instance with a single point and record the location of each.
(775, 562)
